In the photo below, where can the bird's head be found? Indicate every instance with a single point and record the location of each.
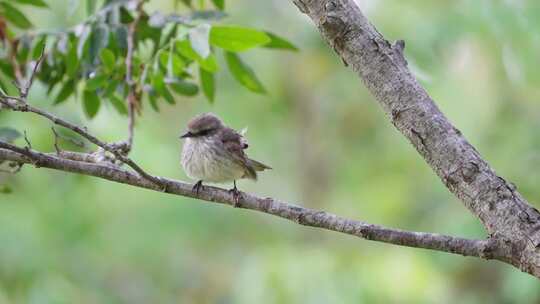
(202, 125)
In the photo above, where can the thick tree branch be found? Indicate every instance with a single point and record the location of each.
(382, 66)
(307, 217)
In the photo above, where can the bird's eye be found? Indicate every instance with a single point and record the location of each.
(204, 132)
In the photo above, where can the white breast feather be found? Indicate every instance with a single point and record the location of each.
(201, 162)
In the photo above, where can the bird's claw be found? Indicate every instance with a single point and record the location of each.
(236, 196)
(197, 187)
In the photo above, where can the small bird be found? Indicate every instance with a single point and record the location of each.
(214, 153)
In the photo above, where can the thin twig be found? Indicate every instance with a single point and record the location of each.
(26, 88)
(115, 149)
(28, 144)
(132, 86)
(56, 147)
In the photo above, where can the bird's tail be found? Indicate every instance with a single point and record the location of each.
(253, 167)
(258, 166)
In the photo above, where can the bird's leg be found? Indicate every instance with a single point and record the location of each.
(197, 187)
(236, 195)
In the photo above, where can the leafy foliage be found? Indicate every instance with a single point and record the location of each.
(14, 15)
(243, 73)
(92, 62)
(237, 39)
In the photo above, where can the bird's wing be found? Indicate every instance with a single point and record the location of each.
(235, 144)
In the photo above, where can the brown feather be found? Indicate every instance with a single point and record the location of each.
(235, 144)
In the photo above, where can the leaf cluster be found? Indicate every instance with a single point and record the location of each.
(173, 55)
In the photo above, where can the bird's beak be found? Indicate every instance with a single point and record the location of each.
(186, 135)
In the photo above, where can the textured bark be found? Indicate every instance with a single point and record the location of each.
(303, 216)
(510, 221)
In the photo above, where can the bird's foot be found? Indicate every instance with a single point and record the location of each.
(197, 187)
(236, 196)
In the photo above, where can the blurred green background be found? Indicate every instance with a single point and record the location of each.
(74, 239)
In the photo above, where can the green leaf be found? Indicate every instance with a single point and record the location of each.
(118, 104)
(83, 44)
(91, 103)
(125, 16)
(277, 42)
(168, 32)
(209, 63)
(120, 36)
(237, 39)
(184, 88)
(170, 66)
(111, 87)
(152, 97)
(72, 61)
(6, 68)
(51, 80)
(97, 82)
(220, 4)
(14, 15)
(98, 40)
(39, 48)
(172, 63)
(23, 50)
(199, 38)
(158, 83)
(145, 31)
(90, 7)
(52, 77)
(65, 92)
(6, 82)
(9, 134)
(39, 3)
(166, 94)
(107, 59)
(243, 73)
(208, 84)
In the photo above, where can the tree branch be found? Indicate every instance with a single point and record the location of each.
(89, 164)
(28, 85)
(20, 105)
(132, 97)
(505, 214)
(303, 216)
